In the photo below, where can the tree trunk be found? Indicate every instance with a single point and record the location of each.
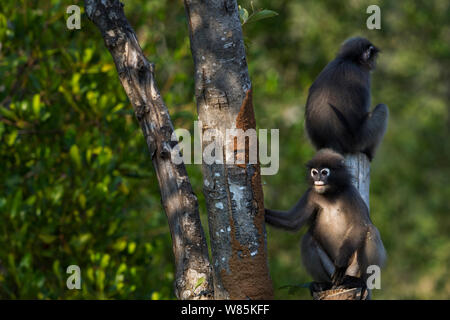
(233, 192)
(193, 270)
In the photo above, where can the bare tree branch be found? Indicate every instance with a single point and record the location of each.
(193, 270)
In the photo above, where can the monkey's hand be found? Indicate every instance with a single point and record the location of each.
(272, 216)
(283, 219)
(338, 276)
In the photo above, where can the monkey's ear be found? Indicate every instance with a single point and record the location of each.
(370, 53)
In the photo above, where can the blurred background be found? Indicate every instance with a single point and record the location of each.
(76, 181)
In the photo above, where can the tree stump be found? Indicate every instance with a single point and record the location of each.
(341, 294)
(359, 166)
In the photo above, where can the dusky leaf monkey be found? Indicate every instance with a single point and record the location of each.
(341, 241)
(337, 114)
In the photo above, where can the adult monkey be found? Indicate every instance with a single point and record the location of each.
(337, 109)
(341, 241)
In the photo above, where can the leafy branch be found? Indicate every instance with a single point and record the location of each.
(256, 15)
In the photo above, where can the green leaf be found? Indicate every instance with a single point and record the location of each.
(26, 261)
(118, 107)
(82, 201)
(243, 14)
(3, 26)
(7, 113)
(155, 296)
(56, 268)
(100, 277)
(199, 282)
(75, 155)
(105, 260)
(36, 105)
(12, 138)
(131, 247)
(120, 245)
(15, 205)
(85, 237)
(2, 129)
(47, 238)
(263, 14)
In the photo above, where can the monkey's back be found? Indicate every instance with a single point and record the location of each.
(337, 103)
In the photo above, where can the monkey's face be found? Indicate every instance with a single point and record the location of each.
(327, 172)
(320, 179)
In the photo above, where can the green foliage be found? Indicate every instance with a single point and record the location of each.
(296, 289)
(255, 15)
(77, 185)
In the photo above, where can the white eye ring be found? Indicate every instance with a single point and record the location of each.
(314, 172)
(325, 172)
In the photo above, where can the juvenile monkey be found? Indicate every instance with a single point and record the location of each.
(341, 240)
(337, 114)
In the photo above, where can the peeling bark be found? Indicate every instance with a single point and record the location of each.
(233, 192)
(136, 74)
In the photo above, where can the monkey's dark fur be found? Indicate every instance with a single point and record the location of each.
(337, 109)
(341, 240)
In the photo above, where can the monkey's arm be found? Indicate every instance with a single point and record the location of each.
(296, 217)
(372, 130)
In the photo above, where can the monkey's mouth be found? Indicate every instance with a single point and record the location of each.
(320, 186)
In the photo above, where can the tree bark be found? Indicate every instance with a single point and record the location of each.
(193, 271)
(233, 192)
(342, 294)
(359, 166)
